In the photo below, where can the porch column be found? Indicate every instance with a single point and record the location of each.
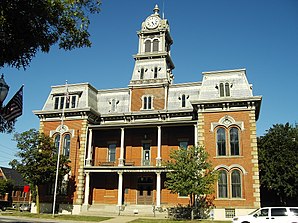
(89, 155)
(158, 189)
(120, 185)
(158, 158)
(121, 159)
(87, 189)
(196, 135)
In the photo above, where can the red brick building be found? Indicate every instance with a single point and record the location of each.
(117, 139)
(17, 196)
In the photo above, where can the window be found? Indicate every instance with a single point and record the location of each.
(56, 106)
(227, 89)
(112, 153)
(142, 73)
(224, 89)
(155, 45)
(234, 141)
(183, 101)
(222, 184)
(227, 141)
(294, 211)
(278, 212)
(146, 154)
(221, 142)
(57, 142)
(229, 184)
(73, 101)
(147, 102)
(155, 72)
(66, 145)
(230, 212)
(236, 184)
(147, 46)
(61, 102)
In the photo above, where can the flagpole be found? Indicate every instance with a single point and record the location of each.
(59, 151)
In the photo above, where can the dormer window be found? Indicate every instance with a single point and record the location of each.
(114, 104)
(62, 102)
(183, 99)
(183, 102)
(142, 73)
(224, 90)
(155, 72)
(147, 102)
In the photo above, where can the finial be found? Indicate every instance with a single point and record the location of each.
(156, 9)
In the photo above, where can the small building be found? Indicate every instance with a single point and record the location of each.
(117, 139)
(17, 196)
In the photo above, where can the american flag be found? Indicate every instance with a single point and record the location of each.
(14, 107)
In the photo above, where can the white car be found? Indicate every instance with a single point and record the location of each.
(270, 215)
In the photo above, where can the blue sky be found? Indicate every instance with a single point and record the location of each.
(259, 35)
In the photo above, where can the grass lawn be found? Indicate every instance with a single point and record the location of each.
(99, 219)
(57, 217)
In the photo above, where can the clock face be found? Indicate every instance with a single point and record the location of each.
(152, 22)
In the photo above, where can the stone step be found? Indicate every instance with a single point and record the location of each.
(127, 210)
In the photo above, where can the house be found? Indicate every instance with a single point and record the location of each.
(117, 139)
(17, 196)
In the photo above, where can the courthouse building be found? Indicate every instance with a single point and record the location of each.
(118, 139)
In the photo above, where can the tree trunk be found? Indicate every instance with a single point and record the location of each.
(37, 200)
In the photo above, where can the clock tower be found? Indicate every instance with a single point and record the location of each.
(152, 72)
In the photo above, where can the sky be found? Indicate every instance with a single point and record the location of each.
(258, 35)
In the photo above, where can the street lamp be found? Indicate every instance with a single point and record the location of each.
(4, 88)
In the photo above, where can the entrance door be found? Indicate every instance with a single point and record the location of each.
(145, 190)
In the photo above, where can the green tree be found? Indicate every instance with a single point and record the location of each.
(6, 186)
(278, 162)
(38, 160)
(27, 26)
(190, 173)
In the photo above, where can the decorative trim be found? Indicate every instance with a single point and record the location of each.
(226, 121)
(62, 129)
(229, 168)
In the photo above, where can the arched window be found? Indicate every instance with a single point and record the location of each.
(227, 89)
(183, 102)
(224, 90)
(66, 145)
(234, 141)
(222, 184)
(155, 45)
(57, 142)
(221, 142)
(147, 46)
(221, 90)
(236, 184)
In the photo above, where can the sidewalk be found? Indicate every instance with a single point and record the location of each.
(122, 219)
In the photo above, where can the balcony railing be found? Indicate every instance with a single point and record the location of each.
(127, 162)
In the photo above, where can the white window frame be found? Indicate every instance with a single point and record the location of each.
(145, 102)
(60, 102)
